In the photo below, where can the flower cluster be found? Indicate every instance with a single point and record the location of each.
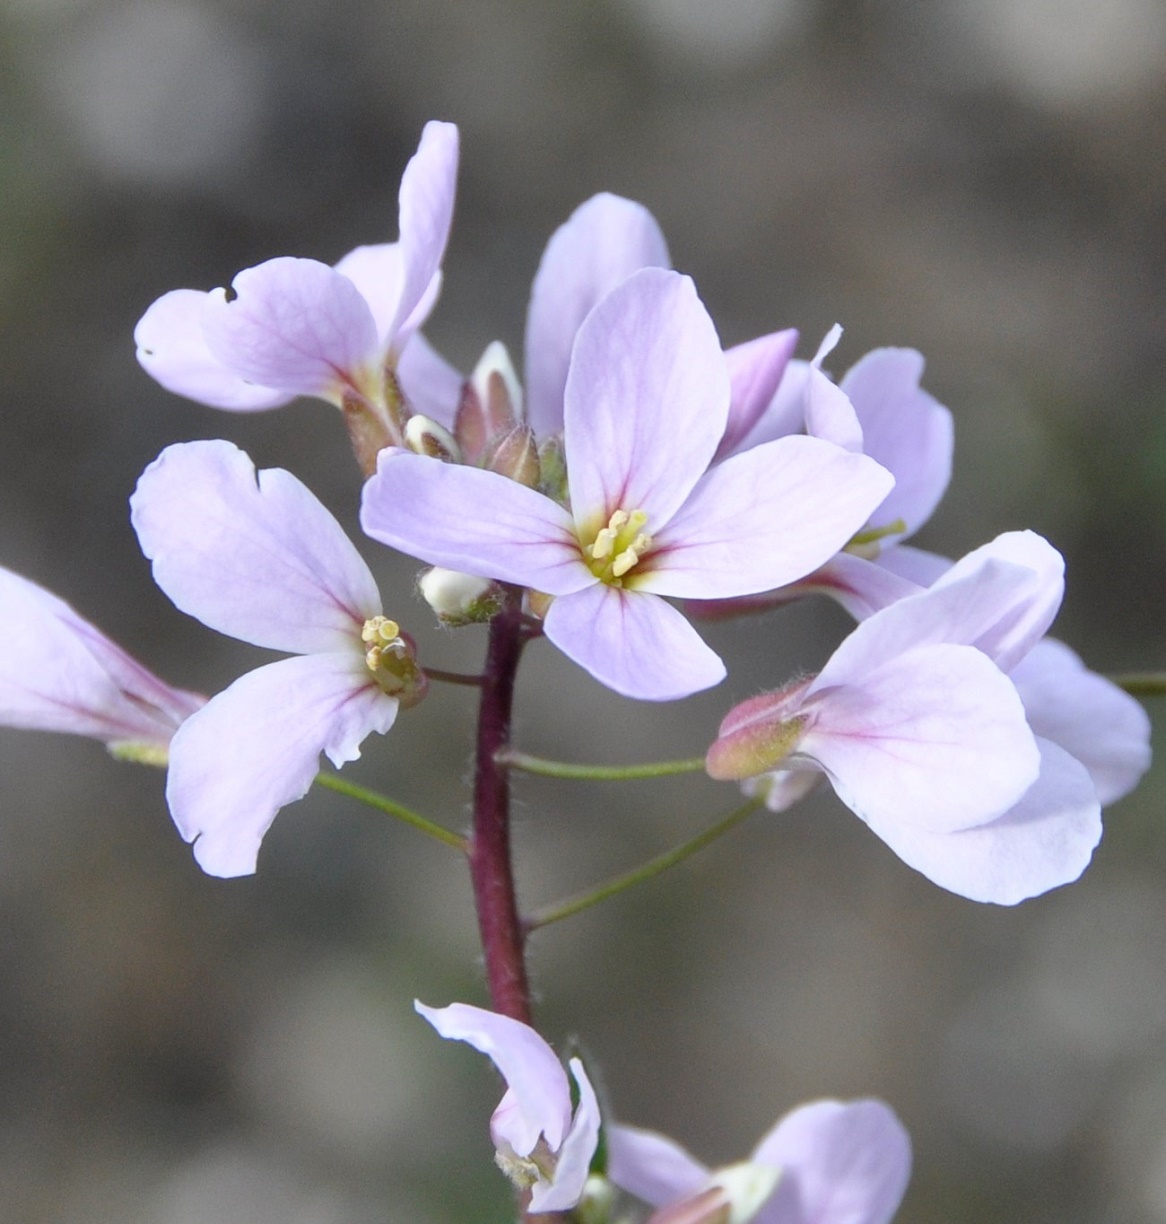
(640, 476)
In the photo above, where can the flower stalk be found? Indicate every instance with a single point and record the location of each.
(491, 870)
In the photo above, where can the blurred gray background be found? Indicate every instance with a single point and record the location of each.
(981, 179)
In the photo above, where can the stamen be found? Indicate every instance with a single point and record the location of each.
(619, 546)
(392, 660)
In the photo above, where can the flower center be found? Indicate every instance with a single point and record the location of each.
(392, 660)
(618, 547)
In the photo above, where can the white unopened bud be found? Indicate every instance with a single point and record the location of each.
(497, 385)
(459, 599)
(426, 437)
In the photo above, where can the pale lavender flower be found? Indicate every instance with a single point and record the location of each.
(541, 1143)
(256, 556)
(60, 673)
(604, 241)
(293, 327)
(920, 731)
(646, 403)
(838, 1163)
(1103, 727)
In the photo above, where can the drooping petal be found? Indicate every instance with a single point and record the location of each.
(538, 1089)
(295, 325)
(1103, 727)
(646, 401)
(573, 1166)
(934, 739)
(601, 244)
(841, 1163)
(994, 603)
(173, 350)
(654, 1168)
(253, 555)
(1008, 634)
(471, 520)
(755, 370)
(60, 673)
(431, 385)
(256, 747)
(908, 431)
(764, 518)
(426, 198)
(633, 642)
(1045, 841)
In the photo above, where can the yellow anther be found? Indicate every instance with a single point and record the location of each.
(380, 630)
(619, 546)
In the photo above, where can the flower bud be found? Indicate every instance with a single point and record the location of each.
(491, 404)
(459, 599)
(426, 437)
(515, 456)
(757, 735)
(553, 469)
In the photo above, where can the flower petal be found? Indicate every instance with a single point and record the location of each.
(378, 272)
(256, 747)
(537, 1082)
(1090, 717)
(908, 431)
(250, 554)
(764, 518)
(426, 201)
(633, 642)
(1007, 634)
(646, 401)
(431, 385)
(1044, 841)
(173, 350)
(841, 1163)
(934, 739)
(651, 1166)
(474, 521)
(756, 369)
(60, 673)
(599, 246)
(786, 412)
(993, 599)
(862, 587)
(295, 325)
(573, 1166)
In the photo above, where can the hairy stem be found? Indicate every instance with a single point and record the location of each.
(653, 867)
(502, 934)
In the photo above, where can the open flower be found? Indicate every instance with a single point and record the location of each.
(541, 1143)
(60, 673)
(293, 327)
(646, 403)
(256, 556)
(922, 734)
(837, 1162)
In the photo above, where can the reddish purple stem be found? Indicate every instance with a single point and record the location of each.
(502, 935)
